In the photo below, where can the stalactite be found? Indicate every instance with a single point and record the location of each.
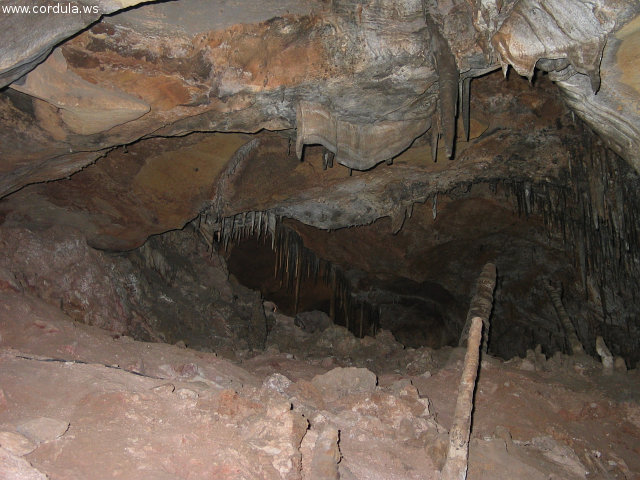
(294, 263)
(332, 306)
(465, 100)
(298, 279)
(435, 135)
(448, 79)
(592, 209)
(327, 159)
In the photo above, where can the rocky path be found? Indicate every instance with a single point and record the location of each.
(77, 403)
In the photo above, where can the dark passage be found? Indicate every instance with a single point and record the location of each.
(253, 262)
(418, 314)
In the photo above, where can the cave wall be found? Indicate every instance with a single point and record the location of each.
(172, 289)
(578, 230)
(129, 115)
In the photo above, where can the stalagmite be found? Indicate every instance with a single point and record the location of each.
(605, 356)
(346, 314)
(620, 365)
(574, 343)
(481, 304)
(455, 467)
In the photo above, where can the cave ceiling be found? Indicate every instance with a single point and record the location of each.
(148, 116)
(364, 79)
(445, 133)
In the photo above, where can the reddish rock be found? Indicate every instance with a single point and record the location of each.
(14, 467)
(16, 444)
(41, 430)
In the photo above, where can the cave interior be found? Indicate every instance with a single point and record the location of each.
(244, 179)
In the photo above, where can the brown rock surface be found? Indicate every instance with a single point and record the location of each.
(158, 162)
(127, 426)
(14, 467)
(43, 429)
(16, 443)
(369, 69)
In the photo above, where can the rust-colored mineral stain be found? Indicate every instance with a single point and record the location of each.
(162, 92)
(270, 54)
(628, 54)
(172, 174)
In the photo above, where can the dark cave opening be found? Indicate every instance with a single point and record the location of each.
(414, 313)
(578, 230)
(253, 263)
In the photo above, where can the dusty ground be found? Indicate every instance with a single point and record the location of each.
(118, 408)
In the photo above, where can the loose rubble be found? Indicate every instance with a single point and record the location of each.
(321, 405)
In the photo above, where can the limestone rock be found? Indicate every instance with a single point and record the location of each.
(24, 46)
(76, 278)
(14, 467)
(277, 382)
(16, 444)
(364, 85)
(326, 456)
(278, 436)
(356, 145)
(620, 365)
(312, 322)
(43, 429)
(605, 355)
(341, 382)
(8, 280)
(284, 334)
(85, 108)
(543, 29)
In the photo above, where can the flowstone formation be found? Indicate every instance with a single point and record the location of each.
(342, 72)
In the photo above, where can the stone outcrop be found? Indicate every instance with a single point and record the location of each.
(28, 36)
(163, 115)
(83, 108)
(367, 71)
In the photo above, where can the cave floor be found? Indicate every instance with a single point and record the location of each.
(118, 408)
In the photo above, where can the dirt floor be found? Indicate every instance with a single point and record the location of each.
(77, 402)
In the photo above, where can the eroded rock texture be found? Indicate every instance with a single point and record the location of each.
(165, 291)
(227, 116)
(366, 70)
